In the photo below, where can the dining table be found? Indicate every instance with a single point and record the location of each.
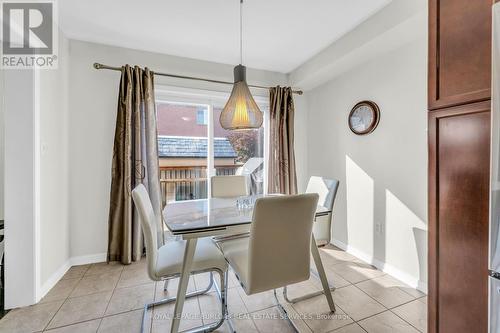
(216, 217)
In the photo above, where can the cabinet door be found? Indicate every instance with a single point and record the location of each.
(459, 163)
(459, 52)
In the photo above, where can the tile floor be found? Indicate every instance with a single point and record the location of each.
(109, 298)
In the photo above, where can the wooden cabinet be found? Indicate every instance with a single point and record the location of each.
(459, 83)
(459, 155)
(459, 52)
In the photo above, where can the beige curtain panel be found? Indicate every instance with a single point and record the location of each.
(135, 161)
(282, 174)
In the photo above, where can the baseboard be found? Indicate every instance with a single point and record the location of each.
(53, 279)
(89, 259)
(73, 261)
(384, 267)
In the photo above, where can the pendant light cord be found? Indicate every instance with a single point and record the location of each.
(241, 32)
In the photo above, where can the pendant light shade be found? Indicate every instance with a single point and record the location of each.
(240, 111)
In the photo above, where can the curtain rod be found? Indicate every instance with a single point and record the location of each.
(101, 66)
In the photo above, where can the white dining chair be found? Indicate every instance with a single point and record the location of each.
(165, 262)
(278, 251)
(229, 186)
(327, 191)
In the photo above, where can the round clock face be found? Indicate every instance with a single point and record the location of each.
(364, 117)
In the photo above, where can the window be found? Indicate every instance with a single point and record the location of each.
(201, 116)
(188, 129)
(182, 150)
(247, 149)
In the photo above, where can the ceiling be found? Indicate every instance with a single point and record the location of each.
(278, 35)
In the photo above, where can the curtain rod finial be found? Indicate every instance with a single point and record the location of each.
(97, 65)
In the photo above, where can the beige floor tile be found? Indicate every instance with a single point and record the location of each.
(271, 320)
(303, 288)
(172, 288)
(356, 303)
(258, 301)
(29, 319)
(97, 283)
(128, 322)
(201, 280)
(78, 309)
(130, 278)
(137, 265)
(333, 278)
(352, 328)
(130, 298)
(85, 327)
(61, 290)
(414, 313)
(162, 316)
(211, 307)
(76, 272)
(317, 315)
(332, 255)
(104, 267)
(243, 324)
(295, 317)
(423, 299)
(355, 272)
(412, 291)
(386, 322)
(386, 290)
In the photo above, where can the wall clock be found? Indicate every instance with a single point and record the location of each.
(364, 117)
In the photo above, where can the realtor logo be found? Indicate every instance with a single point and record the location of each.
(29, 34)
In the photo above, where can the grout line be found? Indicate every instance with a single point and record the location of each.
(65, 300)
(405, 320)
(109, 301)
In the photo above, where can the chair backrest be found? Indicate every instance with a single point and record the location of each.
(280, 241)
(229, 186)
(326, 189)
(148, 224)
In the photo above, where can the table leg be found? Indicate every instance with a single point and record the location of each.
(321, 273)
(183, 283)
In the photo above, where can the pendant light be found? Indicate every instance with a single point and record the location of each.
(240, 111)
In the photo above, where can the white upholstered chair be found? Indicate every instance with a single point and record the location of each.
(327, 191)
(165, 262)
(229, 186)
(278, 251)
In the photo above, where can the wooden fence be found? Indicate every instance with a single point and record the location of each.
(187, 183)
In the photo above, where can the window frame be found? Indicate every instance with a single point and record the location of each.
(210, 99)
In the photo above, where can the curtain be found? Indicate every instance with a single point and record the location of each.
(282, 174)
(135, 161)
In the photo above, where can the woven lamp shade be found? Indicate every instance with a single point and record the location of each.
(240, 111)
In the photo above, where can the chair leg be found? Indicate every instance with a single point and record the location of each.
(284, 312)
(223, 294)
(301, 298)
(172, 299)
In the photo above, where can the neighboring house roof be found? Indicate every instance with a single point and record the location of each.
(184, 146)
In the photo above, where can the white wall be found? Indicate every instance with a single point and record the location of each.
(21, 189)
(93, 101)
(54, 223)
(381, 209)
(2, 141)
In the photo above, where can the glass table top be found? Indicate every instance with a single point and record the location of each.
(213, 213)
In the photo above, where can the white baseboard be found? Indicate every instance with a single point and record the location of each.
(54, 278)
(89, 259)
(384, 267)
(73, 261)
